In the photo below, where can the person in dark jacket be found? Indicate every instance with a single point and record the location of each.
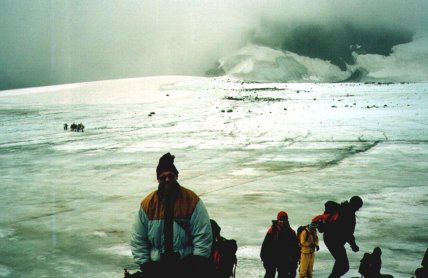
(371, 264)
(376, 263)
(422, 272)
(337, 234)
(280, 249)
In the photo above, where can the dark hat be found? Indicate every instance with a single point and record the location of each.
(166, 163)
(356, 202)
(282, 215)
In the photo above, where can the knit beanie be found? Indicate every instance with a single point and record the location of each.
(282, 215)
(166, 163)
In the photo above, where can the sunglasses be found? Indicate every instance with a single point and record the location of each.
(169, 177)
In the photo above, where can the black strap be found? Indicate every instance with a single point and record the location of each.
(312, 232)
(168, 225)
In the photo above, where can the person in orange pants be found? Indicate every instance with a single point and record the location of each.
(309, 243)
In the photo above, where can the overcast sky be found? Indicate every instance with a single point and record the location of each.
(50, 41)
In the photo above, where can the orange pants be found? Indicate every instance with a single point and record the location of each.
(306, 264)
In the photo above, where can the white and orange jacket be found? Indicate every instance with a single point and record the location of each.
(192, 227)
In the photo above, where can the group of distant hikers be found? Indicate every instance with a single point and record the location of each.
(74, 127)
(173, 236)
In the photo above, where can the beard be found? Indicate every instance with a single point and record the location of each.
(168, 188)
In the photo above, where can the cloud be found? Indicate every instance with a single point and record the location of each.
(50, 42)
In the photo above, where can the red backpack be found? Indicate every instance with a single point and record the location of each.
(223, 257)
(330, 216)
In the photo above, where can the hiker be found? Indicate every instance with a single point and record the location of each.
(65, 127)
(309, 243)
(223, 253)
(422, 272)
(371, 264)
(338, 224)
(280, 249)
(73, 127)
(80, 127)
(172, 234)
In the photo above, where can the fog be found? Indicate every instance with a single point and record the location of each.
(52, 42)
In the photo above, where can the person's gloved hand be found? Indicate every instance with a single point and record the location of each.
(355, 247)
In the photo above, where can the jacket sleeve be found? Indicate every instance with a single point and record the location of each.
(200, 227)
(265, 250)
(295, 243)
(140, 245)
(350, 229)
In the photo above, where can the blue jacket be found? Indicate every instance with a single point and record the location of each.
(192, 227)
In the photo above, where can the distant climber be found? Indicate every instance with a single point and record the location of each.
(76, 127)
(80, 127)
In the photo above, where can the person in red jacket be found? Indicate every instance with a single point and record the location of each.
(280, 249)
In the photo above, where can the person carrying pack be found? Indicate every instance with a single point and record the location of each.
(338, 225)
(371, 264)
(280, 249)
(223, 254)
(422, 272)
(309, 243)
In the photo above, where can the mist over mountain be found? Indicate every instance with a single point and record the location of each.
(54, 42)
(334, 43)
(334, 52)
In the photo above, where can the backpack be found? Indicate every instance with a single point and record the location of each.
(330, 216)
(300, 229)
(365, 265)
(224, 258)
